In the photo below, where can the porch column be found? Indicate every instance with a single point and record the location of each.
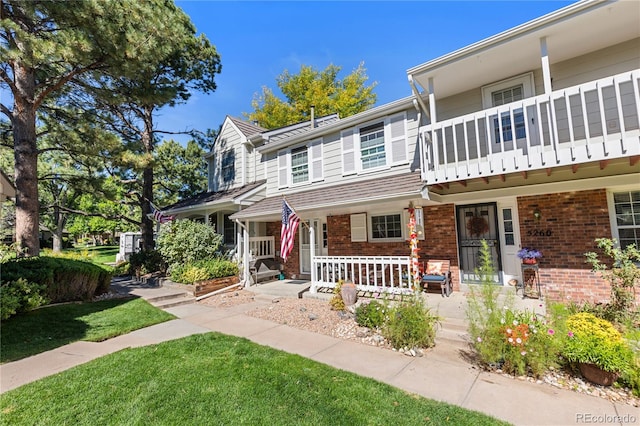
(312, 254)
(246, 258)
(546, 72)
(432, 102)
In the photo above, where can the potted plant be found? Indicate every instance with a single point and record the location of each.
(597, 347)
(529, 256)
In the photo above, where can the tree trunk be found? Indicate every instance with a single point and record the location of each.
(26, 162)
(147, 182)
(60, 222)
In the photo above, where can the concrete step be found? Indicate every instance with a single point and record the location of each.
(453, 332)
(177, 300)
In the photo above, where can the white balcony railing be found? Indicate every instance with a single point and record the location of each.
(262, 247)
(381, 274)
(595, 121)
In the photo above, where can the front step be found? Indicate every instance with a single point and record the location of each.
(171, 300)
(453, 332)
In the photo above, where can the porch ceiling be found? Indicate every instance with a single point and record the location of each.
(573, 31)
(338, 199)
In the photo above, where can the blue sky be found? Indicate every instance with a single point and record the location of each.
(257, 41)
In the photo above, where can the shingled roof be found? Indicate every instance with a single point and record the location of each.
(246, 127)
(386, 188)
(214, 197)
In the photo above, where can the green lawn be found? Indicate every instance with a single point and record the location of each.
(98, 254)
(50, 327)
(213, 379)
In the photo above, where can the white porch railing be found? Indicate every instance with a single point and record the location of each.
(262, 247)
(383, 274)
(595, 121)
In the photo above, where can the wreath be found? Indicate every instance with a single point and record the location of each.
(477, 225)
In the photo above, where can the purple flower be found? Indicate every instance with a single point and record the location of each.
(529, 253)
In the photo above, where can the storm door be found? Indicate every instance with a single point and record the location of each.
(477, 222)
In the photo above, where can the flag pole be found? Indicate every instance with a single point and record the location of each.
(304, 222)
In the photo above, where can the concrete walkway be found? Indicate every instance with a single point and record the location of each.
(442, 374)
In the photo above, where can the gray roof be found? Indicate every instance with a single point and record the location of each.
(214, 197)
(281, 133)
(384, 188)
(246, 127)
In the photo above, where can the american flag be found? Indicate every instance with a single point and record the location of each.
(290, 221)
(158, 216)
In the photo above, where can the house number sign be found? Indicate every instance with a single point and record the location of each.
(539, 232)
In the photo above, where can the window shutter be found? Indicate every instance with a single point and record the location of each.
(348, 153)
(398, 139)
(283, 168)
(315, 160)
(359, 227)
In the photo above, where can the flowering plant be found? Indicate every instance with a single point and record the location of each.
(529, 253)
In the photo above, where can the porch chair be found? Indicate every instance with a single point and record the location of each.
(438, 272)
(264, 269)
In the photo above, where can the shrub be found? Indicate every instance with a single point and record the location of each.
(410, 324)
(64, 279)
(336, 302)
(371, 314)
(622, 274)
(594, 340)
(203, 270)
(146, 262)
(20, 296)
(184, 241)
(517, 341)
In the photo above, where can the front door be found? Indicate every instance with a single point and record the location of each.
(477, 222)
(305, 244)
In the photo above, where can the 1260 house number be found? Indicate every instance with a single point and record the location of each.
(539, 232)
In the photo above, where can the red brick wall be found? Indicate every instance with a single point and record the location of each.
(569, 224)
(292, 265)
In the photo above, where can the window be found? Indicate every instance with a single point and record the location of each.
(627, 217)
(386, 226)
(228, 165)
(503, 97)
(299, 165)
(507, 222)
(229, 235)
(372, 147)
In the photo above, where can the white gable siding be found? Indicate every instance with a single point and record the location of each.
(229, 139)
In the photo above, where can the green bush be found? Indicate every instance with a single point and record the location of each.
(20, 296)
(64, 279)
(185, 241)
(371, 314)
(594, 340)
(517, 341)
(410, 324)
(146, 262)
(203, 270)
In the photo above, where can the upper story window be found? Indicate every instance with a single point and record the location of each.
(372, 146)
(375, 145)
(627, 217)
(299, 165)
(503, 93)
(228, 166)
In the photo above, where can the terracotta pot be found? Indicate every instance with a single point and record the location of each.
(349, 293)
(595, 374)
(529, 261)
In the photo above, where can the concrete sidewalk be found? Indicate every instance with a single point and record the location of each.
(442, 374)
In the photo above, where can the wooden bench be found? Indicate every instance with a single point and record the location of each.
(438, 272)
(264, 269)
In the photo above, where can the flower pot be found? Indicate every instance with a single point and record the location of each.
(349, 293)
(529, 261)
(595, 374)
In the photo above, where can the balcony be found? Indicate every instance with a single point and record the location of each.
(595, 121)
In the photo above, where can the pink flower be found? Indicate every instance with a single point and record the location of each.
(479, 339)
(523, 353)
(551, 332)
(570, 334)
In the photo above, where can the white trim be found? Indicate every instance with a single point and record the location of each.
(526, 80)
(403, 232)
(612, 208)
